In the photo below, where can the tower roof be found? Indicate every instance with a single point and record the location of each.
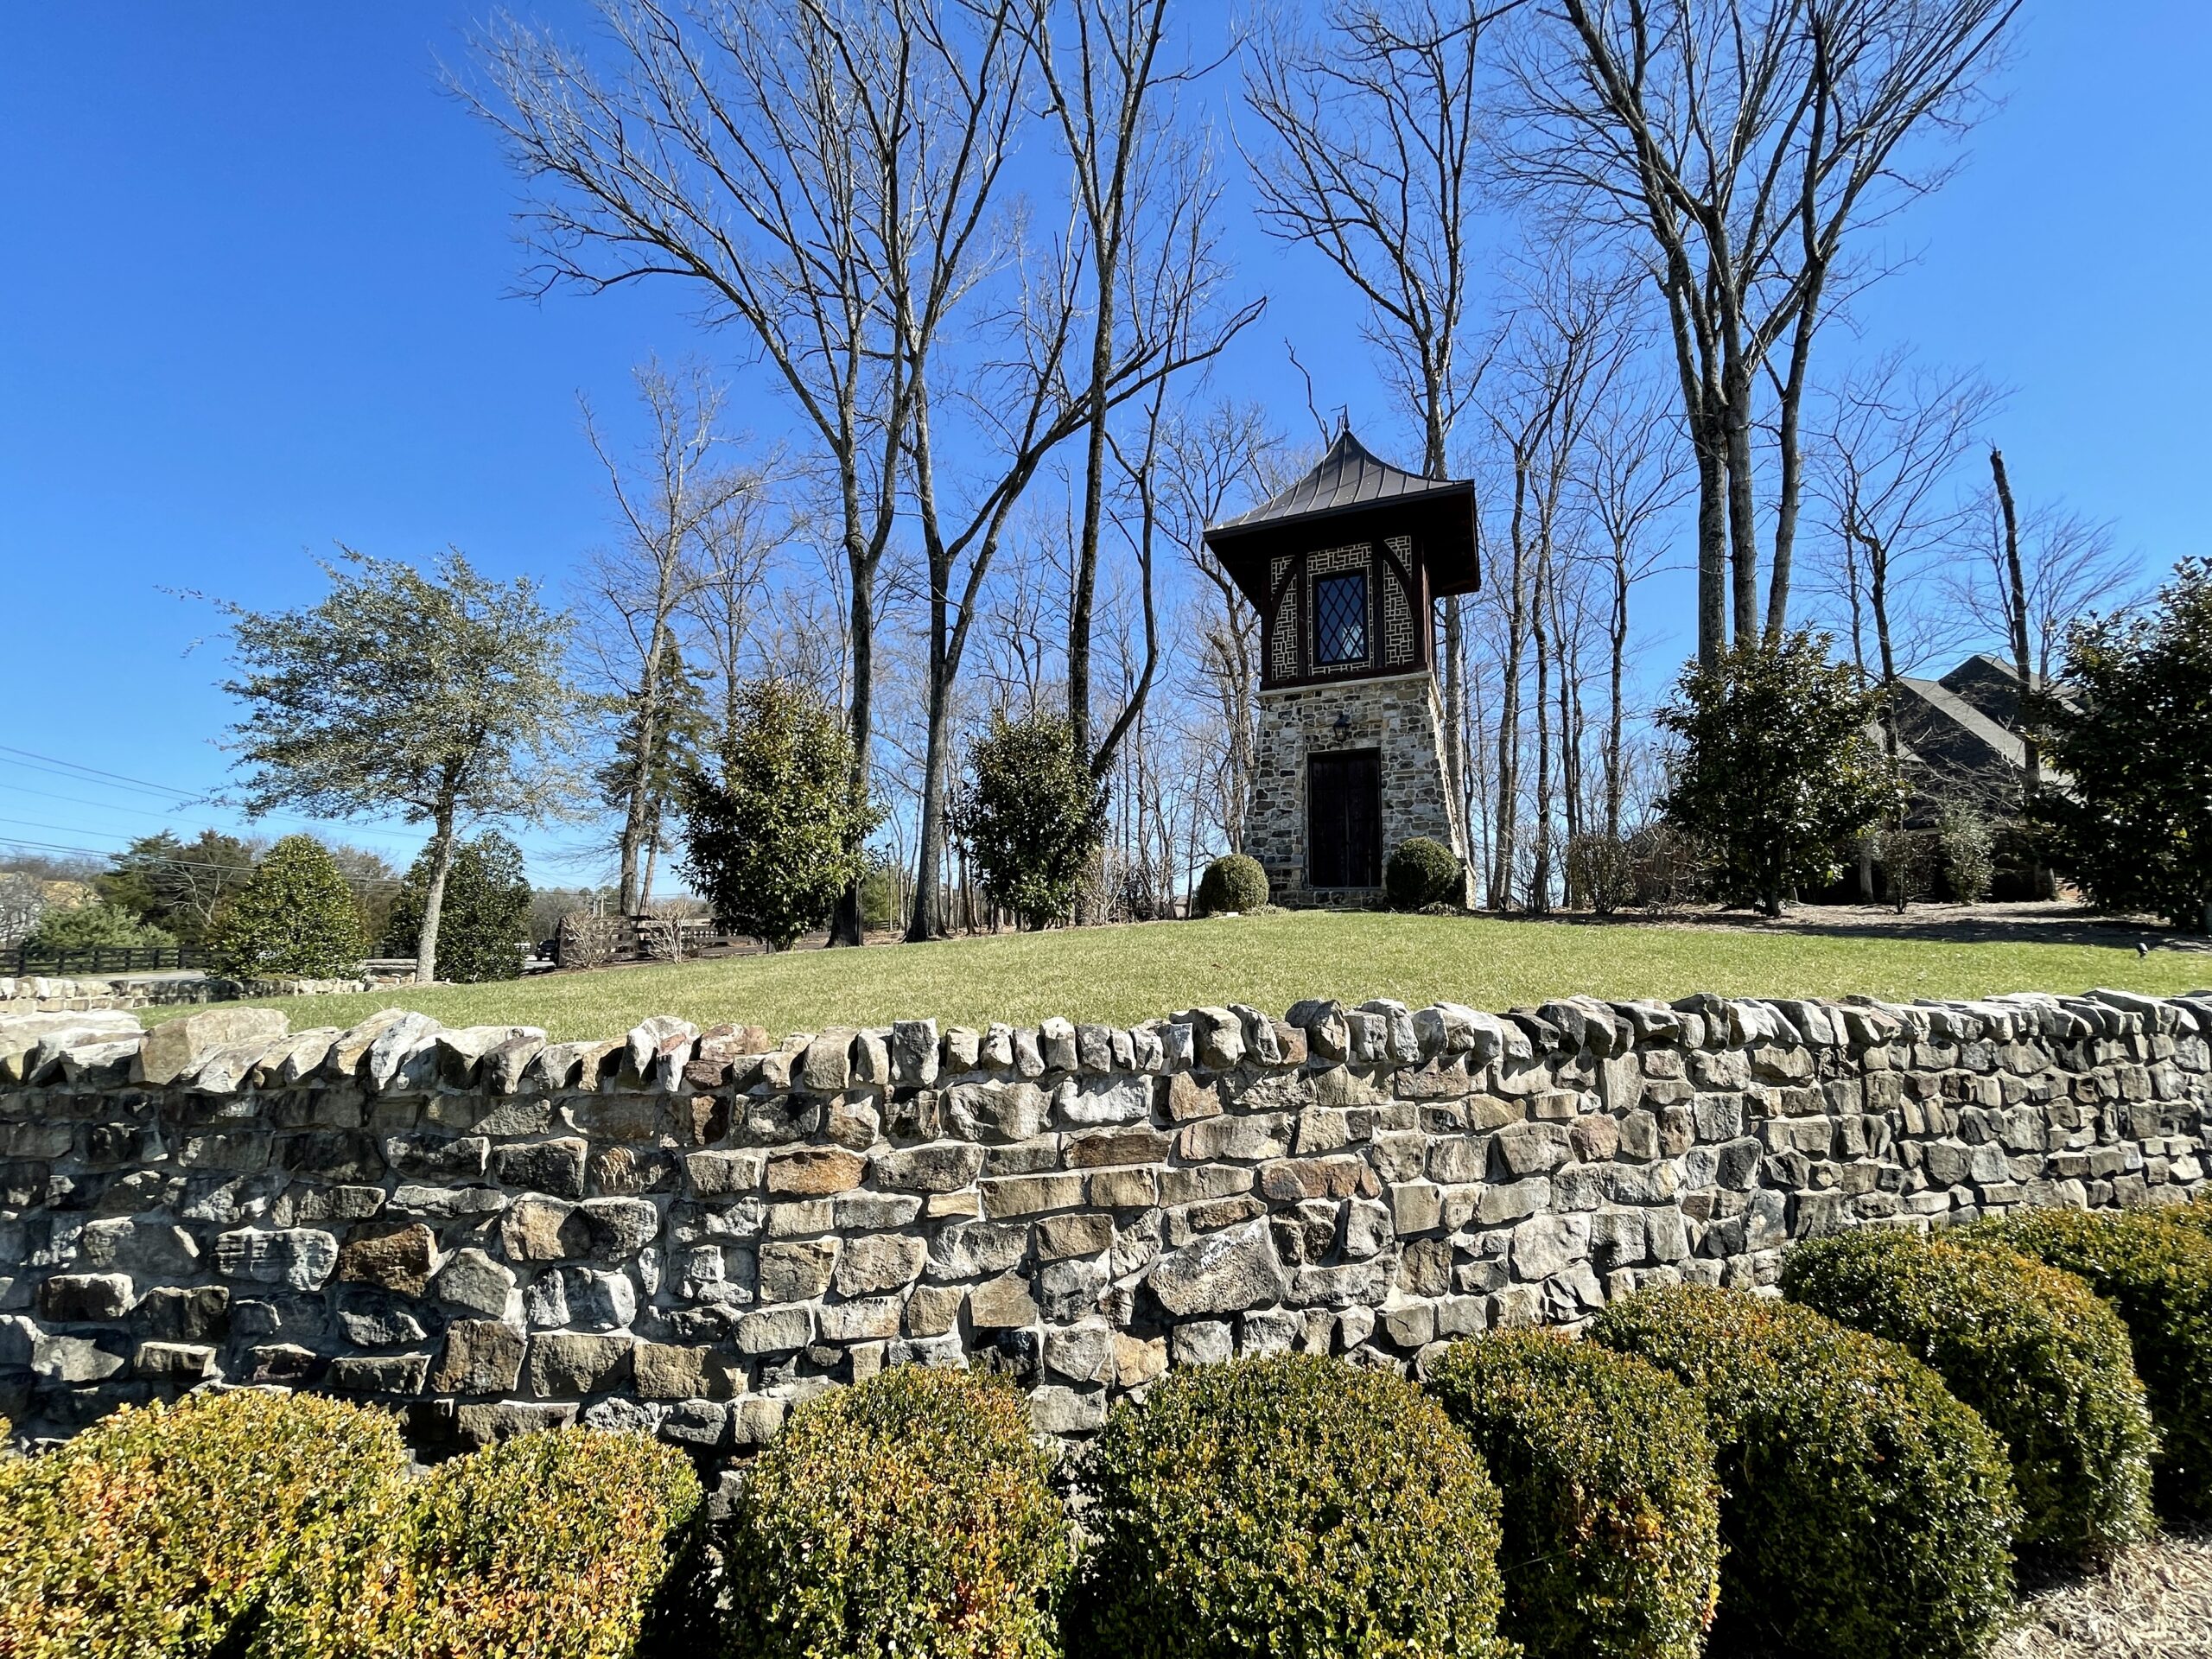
(1351, 496)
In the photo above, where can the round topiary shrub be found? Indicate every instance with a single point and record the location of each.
(2044, 1362)
(1421, 872)
(1233, 885)
(1868, 1514)
(1289, 1506)
(912, 1514)
(1611, 1508)
(564, 1544)
(163, 1531)
(2158, 1276)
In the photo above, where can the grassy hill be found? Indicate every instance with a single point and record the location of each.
(1122, 975)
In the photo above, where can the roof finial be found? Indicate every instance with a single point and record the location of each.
(1343, 420)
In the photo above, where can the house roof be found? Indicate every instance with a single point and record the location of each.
(1350, 483)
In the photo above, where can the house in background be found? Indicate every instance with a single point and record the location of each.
(1343, 567)
(1957, 743)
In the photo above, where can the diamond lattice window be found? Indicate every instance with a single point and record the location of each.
(1340, 620)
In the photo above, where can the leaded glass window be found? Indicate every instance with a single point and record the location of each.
(1340, 619)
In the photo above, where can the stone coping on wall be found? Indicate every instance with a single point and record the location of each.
(690, 1231)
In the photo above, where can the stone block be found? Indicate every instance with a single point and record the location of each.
(550, 1166)
(1029, 1195)
(878, 1262)
(398, 1259)
(797, 1270)
(1220, 1273)
(814, 1171)
(566, 1363)
(945, 1166)
(480, 1357)
(300, 1258)
(85, 1297)
(1000, 1304)
(173, 1048)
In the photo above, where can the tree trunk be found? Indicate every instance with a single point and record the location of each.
(1712, 544)
(643, 740)
(1743, 526)
(1540, 875)
(2031, 757)
(845, 925)
(434, 898)
(1616, 669)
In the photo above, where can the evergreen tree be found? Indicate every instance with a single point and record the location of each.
(677, 730)
(1030, 815)
(94, 926)
(2134, 829)
(484, 931)
(1776, 768)
(295, 918)
(775, 838)
(175, 885)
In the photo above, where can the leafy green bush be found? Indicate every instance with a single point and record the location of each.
(2045, 1363)
(2159, 1275)
(912, 1514)
(87, 927)
(1286, 1506)
(1612, 1509)
(1868, 1514)
(1235, 884)
(774, 838)
(294, 917)
(1969, 851)
(1420, 873)
(1030, 815)
(484, 919)
(160, 1532)
(1775, 770)
(560, 1545)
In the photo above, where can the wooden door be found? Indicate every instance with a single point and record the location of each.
(1343, 819)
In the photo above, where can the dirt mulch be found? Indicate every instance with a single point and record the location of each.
(2154, 1602)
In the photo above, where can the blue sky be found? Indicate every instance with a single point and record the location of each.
(259, 301)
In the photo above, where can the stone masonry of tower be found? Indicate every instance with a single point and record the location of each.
(1401, 717)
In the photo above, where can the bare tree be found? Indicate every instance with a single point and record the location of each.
(1211, 461)
(1374, 140)
(670, 502)
(1739, 144)
(1885, 457)
(791, 163)
(2029, 576)
(1633, 476)
(1141, 186)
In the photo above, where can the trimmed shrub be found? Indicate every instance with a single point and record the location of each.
(1235, 883)
(911, 1514)
(1868, 1514)
(2158, 1276)
(564, 1544)
(296, 916)
(94, 926)
(1611, 1508)
(163, 1531)
(2044, 1362)
(1420, 873)
(1289, 1506)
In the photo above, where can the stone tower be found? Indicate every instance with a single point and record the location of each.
(1343, 567)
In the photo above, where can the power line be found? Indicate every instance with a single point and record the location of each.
(188, 864)
(112, 776)
(150, 813)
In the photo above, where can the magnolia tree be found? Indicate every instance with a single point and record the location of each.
(1030, 815)
(295, 917)
(774, 833)
(1777, 770)
(484, 931)
(2135, 828)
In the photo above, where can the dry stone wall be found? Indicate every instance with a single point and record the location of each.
(687, 1232)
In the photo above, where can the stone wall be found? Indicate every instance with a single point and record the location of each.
(689, 1231)
(1400, 717)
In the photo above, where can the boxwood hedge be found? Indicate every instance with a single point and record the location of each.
(1234, 884)
(561, 1544)
(913, 1514)
(1868, 1514)
(2044, 1361)
(1611, 1508)
(2159, 1275)
(164, 1531)
(1289, 1506)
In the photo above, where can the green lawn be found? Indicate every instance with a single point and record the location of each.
(1122, 975)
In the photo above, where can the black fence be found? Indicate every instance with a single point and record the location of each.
(99, 959)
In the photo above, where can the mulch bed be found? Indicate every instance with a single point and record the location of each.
(2154, 1602)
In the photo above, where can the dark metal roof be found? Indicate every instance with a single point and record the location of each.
(1348, 476)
